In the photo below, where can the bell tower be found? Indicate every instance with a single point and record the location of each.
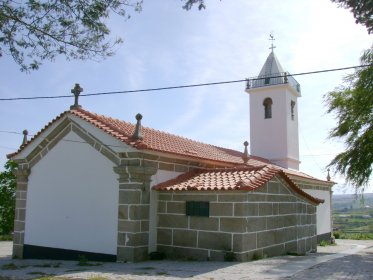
(274, 114)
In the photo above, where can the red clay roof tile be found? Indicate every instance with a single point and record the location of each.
(156, 140)
(241, 178)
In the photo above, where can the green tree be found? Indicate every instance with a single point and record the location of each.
(362, 10)
(7, 197)
(352, 104)
(190, 3)
(36, 30)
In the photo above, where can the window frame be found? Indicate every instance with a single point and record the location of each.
(267, 103)
(197, 208)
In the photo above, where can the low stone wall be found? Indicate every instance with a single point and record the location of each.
(270, 221)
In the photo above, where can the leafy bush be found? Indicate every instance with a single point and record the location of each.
(324, 243)
(357, 236)
(6, 237)
(7, 197)
(157, 255)
(229, 256)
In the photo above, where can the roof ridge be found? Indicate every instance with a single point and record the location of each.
(164, 142)
(95, 115)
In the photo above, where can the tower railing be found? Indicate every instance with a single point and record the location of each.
(273, 79)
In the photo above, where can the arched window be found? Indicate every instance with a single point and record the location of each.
(292, 105)
(267, 103)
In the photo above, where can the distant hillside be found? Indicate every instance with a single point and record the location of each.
(350, 201)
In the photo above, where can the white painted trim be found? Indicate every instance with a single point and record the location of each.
(36, 142)
(106, 139)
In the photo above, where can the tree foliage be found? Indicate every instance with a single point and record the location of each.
(33, 31)
(353, 105)
(362, 10)
(190, 3)
(36, 30)
(7, 197)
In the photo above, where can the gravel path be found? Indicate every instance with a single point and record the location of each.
(349, 259)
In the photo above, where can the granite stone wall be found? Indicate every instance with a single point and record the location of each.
(246, 225)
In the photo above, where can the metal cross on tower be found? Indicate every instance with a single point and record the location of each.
(272, 38)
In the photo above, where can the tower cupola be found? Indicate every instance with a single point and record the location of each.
(274, 114)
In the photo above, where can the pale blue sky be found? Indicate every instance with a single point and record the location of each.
(167, 46)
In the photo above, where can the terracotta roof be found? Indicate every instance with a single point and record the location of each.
(155, 140)
(296, 173)
(163, 142)
(240, 178)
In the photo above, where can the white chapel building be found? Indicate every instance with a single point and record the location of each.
(110, 190)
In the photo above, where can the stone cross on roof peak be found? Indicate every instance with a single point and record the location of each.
(76, 91)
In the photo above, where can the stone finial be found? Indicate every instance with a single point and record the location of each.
(76, 91)
(137, 134)
(286, 80)
(328, 176)
(25, 133)
(245, 155)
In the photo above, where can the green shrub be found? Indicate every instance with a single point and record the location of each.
(229, 256)
(7, 197)
(356, 236)
(157, 255)
(6, 237)
(83, 261)
(258, 256)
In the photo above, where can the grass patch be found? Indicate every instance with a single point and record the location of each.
(258, 256)
(39, 273)
(54, 265)
(50, 277)
(147, 267)
(295, 254)
(83, 261)
(12, 266)
(75, 270)
(355, 236)
(6, 237)
(229, 256)
(9, 266)
(157, 255)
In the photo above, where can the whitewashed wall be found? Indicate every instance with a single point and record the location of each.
(72, 200)
(323, 211)
(275, 138)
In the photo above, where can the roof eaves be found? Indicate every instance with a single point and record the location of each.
(298, 190)
(22, 147)
(258, 181)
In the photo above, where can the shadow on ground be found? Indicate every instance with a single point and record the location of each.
(356, 266)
